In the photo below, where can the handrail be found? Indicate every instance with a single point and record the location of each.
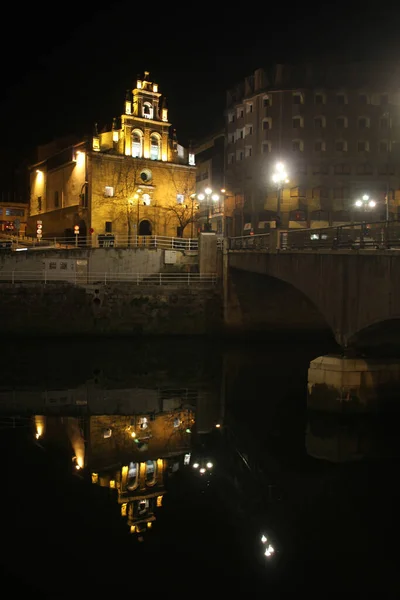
(75, 277)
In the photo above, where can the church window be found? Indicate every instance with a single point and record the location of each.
(154, 147)
(137, 140)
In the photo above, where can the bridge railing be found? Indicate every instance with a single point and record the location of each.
(376, 235)
(259, 241)
(354, 236)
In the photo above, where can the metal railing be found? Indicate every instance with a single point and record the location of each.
(259, 241)
(379, 235)
(153, 242)
(77, 278)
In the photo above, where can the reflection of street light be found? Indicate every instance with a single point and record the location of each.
(279, 178)
(211, 197)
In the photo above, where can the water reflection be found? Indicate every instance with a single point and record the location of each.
(135, 454)
(223, 474)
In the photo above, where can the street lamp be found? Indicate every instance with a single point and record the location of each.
(279, 177)
(365, 202)
(210, 197)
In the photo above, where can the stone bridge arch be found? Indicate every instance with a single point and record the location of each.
(351, 290)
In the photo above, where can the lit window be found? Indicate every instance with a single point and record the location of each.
(137, 144)
(151, 472)
(180, 198)
(109, 191)
(192, 160)
(154, 147)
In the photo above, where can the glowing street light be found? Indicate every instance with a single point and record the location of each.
(279, 177)
(210, 197)
(365, 202)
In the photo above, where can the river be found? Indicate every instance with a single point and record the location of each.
(188, 465)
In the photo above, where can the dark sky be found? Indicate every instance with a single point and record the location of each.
(67, 69)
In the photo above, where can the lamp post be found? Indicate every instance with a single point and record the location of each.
(365, 203)
(279, 177)
(210, 197)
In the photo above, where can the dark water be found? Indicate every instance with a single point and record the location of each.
(332, 524)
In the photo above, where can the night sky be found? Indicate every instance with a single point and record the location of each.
(67, 69)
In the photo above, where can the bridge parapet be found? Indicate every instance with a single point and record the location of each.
(376, 235)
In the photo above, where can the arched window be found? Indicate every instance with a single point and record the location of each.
(148, 110)
(133, 476)
(151, 472)
(155, 149)
(137, 143)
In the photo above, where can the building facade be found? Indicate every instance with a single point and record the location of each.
(13, 217)
(335, 128)
(131, 179)
(210, 157)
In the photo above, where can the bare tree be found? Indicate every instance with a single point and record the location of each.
(183, 205)
(121, 174)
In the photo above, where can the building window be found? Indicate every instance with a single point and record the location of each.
(240, 134)
(192, 159)
(267, 123)
(249, 108)
(267, 101)
(108, 227)
(384, 123)
(319, 146)
(297, 98)
(137, 139)
(240, 113)
(151, 472)
(341, 146)
(383, 146)
(266, 147)
(386, 170)
(341, 99)
(248, 151)
(338, 193)
(180, 198)
(342, 169)
(232, 138)
(319, 122)
(108, 191)
(249, 130)
(148, 110)
(239, 155)
(341, 122)
(14, 212)
(364, 169)
(297, 122)
(363, 99)
(297, 146)
(321, 169)
(231, 117)
(39, 204)
(56, 200)
(155, 150)
(363, 122)
(362, 146)
(231, 159)
(319, 98)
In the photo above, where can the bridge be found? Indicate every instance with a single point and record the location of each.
(347, 278)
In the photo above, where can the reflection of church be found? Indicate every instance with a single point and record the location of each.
(135, 455)
(131, 454)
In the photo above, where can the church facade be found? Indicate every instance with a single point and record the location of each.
(131, 179)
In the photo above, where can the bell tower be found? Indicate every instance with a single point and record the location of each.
(146, 121)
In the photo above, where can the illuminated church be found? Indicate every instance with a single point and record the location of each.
(130, 179)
